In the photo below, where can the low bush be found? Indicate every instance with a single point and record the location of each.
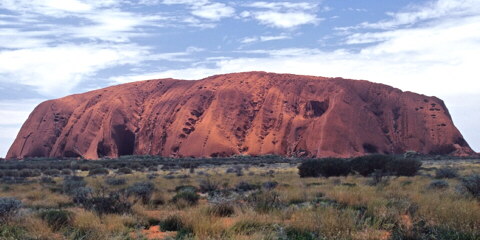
(438, 184)
(208, 185)
(366, 165)
(327, 167)
(446, 172)
(72, 183)
(52, 172)
(57, 219)
(124, 170)
(115, 181)
(66, 171)
(171, 223)
(81, 195)
(98, 171)
(264, 202)
(29, 173)
(403, 167)
(8, 208)
(142, 191)
(269, 185)
(298, 234)
(185, 188)
(245, 186)
(47, 180)
(472, 184)
(185, 199)
(114, 203)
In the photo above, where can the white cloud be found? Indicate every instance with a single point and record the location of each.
(206, 9)
(285, 19)
(264, 38)
(284, 5)
(55, 71)
(430, 10)
(214, 11)
(56, 8)
(282, 14)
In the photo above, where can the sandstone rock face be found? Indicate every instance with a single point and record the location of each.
(251, 113)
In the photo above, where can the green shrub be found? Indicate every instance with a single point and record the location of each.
(472, 184)
(264, 202)
(124, 170)
(366, 165)
(57, 219)
(98, 171)
(29, 173)
(403, 167)
(188, 198)
(66, 171)
(245, 186)
(142, 191)
(446, 172)
(185, 188)
(72, 183)
(115, 181)
(438, 184)
(327, 167)
(298, 234)
(8, 208)
(52, 172)
(171, 223)
(208, 185)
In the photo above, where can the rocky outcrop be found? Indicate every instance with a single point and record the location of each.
(251, 113)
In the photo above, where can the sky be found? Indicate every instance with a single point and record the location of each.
(53, 48)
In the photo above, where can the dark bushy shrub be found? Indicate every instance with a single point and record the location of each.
(71, 183)
(403, 167)
(124, 170)
(10, 173)
(366, 165)
(269, 185)
(208, 185)
(52, 172)
(57, 219)
(472, 184)
(115, 181)
(115, 203)
(186, 197)
(142, 191)
(438, 184)
(171, 223)
(185, 188)
(264, 202)
(47, 180)
(327, 167)
(244, 187)
(66, 172)
(98, 171)
(29, 173)
(81, 195)
(446, 172)
(8, 208)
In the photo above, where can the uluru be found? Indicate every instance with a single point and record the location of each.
(251, 113)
